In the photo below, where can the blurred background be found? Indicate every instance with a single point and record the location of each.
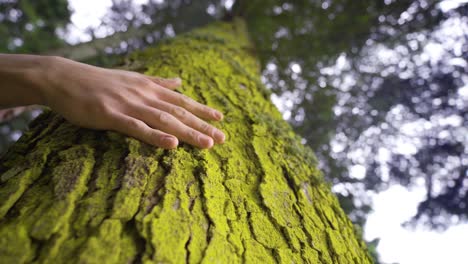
(377, 88)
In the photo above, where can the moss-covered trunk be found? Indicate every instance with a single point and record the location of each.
(74, 195)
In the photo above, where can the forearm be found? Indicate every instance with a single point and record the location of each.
(22, 79)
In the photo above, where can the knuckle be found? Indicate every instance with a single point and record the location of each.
(192, 134)
(147, 82)
(103, 108)
(164, 118)
(153, 137)
(142, 82)
(157, 96)
(207, 110)
(206, 128)
(119, 97)
(179, 112)
(133, 123)
(142, 79)
(185, 100)
(158, 80)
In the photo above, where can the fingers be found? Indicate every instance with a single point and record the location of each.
(172, 83)
(184, 101)
(191, 105)
(164, 121)
(139, 130)
(191, 120)
(171, 114)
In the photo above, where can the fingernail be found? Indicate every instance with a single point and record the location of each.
(220, 137)
(176, 80)
(217, 115)
(170, 141)
(206, 142)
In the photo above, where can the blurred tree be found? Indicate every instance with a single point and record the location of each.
(29, 26)
(401, 116)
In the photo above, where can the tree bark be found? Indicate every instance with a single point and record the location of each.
(72, 195)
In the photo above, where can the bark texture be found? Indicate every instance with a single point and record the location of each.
(71, 195)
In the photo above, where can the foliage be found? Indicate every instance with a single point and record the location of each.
(29, 26)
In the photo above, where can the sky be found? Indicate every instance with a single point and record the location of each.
(391, 208)
(405, 246)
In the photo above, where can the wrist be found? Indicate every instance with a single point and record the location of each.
(25, 78)
(46, 77)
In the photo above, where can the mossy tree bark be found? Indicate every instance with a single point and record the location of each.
(69, 194)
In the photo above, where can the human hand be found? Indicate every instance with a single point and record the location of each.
(144, 107)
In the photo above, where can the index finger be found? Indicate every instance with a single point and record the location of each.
(191, 105)
(171, 83)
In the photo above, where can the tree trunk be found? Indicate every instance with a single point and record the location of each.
(70, 195)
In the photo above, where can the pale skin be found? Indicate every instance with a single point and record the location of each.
(144, 107)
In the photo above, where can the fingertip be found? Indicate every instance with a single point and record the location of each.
(218, 115)
(170, 142)
(171, 83)
(220, 137)
(176, 81)
(206, 142)
(211, 144)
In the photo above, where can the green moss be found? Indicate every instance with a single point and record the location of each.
(138, 168)
(17, 179)
(337, 242)
(97, 248)
(94, 206)
(15, 247)
(265, 232)
(69, 179)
